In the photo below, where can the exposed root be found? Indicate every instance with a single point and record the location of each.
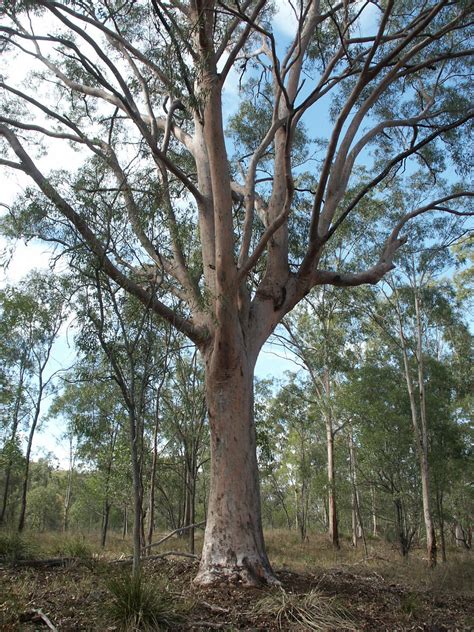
(251, 575)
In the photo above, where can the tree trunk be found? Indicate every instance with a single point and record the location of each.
(24, 490)
(333, 530)
(375, 530)
(137, 496)
(107, 505)
(439, 503)
(16, 412)
(125, 523)
(192, 513)
(105, 523)
(419, 424)
(401, 531)
(233, 546)
(34, 423)
(151, 497)
(425, 470)
(68, 495)
(6, 491)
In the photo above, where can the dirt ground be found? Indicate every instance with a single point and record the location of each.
(74, 597)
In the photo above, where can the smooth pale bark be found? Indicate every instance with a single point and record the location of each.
(333, 530)
(354, 517)
(423, 444)
(419, 422)
(462, 536)
(375, 528)
(358, 531)
(233, 541)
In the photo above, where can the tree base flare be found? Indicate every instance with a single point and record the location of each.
(252, 574)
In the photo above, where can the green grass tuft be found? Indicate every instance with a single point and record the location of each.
(140, 604)
(14, 547)
(75, 547)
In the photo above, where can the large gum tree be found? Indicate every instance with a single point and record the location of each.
(223, 248)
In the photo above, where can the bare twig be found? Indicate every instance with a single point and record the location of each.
(36, 615)
(214, 608)
(170, 535)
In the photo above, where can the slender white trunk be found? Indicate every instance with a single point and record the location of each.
(375, 529)
(419, 422)
(354, 499)
(425, 470)
(333, 530)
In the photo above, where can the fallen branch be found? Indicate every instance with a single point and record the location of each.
(209, 624)
(198, 525)
(128, 560)
(214, 608)
(37, 615)
(168, 553)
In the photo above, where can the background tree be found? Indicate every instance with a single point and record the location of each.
(33, 315)
(317, 334)
(186, 428)
(96, 418)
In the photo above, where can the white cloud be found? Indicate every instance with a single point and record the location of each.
(25, 258)
(285, 20)
(368, 19)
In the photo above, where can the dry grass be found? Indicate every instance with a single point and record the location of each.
(286, 551)
(371, 589)
(310, 611)
(14, 599)
(454, 576)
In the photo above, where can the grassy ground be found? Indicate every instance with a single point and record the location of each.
(322, 589)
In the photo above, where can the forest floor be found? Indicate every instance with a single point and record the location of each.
(320, 590)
